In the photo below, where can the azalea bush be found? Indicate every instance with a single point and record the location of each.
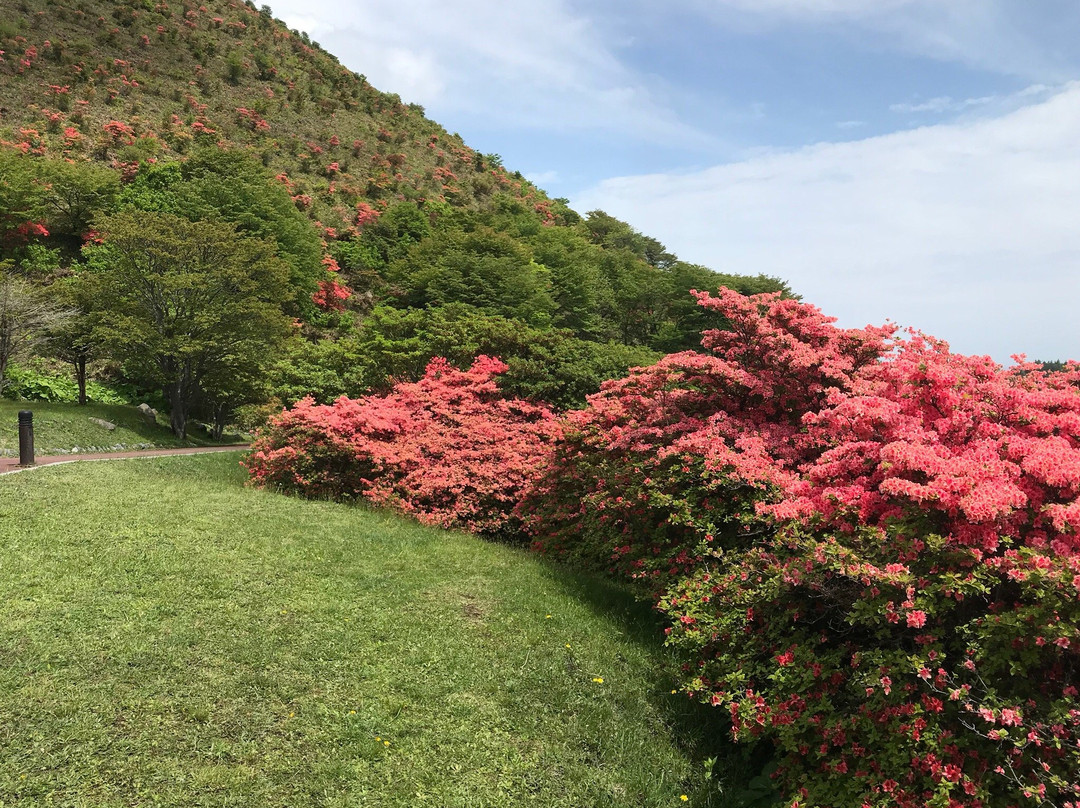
(448, 449)
(867, 548)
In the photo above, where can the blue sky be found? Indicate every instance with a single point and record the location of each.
(912, 160)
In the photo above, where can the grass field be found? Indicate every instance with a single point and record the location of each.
(169, 637)
(62, 428)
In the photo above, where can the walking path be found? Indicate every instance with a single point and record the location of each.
(10, 465)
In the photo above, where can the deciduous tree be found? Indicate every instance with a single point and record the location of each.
(179, 301)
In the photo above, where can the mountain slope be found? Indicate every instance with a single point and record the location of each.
(403, 242)
(131, 81)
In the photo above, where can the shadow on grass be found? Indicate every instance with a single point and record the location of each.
(739, 771)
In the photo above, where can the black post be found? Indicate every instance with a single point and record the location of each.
(26, 438)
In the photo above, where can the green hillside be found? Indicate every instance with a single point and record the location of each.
(174, 638)
(401, 241)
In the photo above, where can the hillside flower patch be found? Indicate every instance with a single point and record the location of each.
(866, 547)
(448, 449)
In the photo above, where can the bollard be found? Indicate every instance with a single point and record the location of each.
(26, 438)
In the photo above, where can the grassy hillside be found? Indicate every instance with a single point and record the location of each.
(123, 82)
(64, 428)
(170, 637)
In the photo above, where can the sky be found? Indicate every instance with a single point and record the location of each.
(916, 161)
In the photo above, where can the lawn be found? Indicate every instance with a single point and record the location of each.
(170, 637)
(64, 428)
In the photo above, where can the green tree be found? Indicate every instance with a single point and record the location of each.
(27, 316)
(550, 365)
(484, 269)
(325, 369)
(185, 304)
(22, 199)
(219, 185)
(75, 339)
(74, 193)
(614, 234)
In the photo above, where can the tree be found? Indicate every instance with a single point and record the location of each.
(74, 193)
(217, 185)
(21, 201)
(27, 315)
(179, 302)
(485, 269)
(75, 339)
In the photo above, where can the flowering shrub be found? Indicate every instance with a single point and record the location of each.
(867, 550)
(447, 449)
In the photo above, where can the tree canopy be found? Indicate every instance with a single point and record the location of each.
(193, 307)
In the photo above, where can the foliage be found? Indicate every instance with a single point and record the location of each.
(217, 185)
(22, 205)
(324, 370)
(27, 315)
(866, 549)
(27, 383)
(548, 365)
(484, 269)
(76, 193)
(188, 306)
(446, 449)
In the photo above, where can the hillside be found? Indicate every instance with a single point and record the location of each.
(403, 242)
(129, 82)
(175, 638)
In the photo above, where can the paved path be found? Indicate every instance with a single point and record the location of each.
(9, 465)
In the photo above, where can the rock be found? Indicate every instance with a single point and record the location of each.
(148, 412)
(103, 423)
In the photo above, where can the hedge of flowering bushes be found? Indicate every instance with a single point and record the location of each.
(447, 449)
(867, 549)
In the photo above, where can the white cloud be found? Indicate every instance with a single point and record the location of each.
(541, 178)
(944, 103)
(1012, 37)
(538, 65)
(967, 231)
(941, 104)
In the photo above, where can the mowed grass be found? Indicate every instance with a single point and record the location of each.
(170, 637)
(61, 428)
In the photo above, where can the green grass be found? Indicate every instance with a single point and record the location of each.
(63, 428)
(169, 637)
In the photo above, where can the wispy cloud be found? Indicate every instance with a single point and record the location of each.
(965, 230)
(941, 104)
(1014, 37)
(945, 104)
(542, 177)
(532, 65)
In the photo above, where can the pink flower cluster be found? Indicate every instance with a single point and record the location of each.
(448, 449)
(867, 548)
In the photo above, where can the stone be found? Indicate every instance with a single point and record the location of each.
(148, 412)
(104, 424)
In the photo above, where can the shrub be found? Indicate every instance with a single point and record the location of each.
(446, 449)
(32, 384)
(866, 548)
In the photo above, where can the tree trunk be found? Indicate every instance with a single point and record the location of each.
(178, 409)
(80, 377)
(221, 413)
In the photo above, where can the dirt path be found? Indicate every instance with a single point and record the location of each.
(9, 465)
